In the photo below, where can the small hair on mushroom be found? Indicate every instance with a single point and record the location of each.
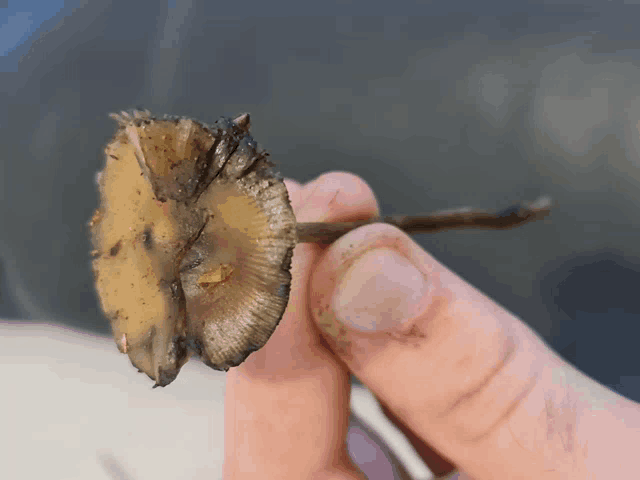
(193, 239)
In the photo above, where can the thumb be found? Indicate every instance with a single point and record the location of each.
(468, 377)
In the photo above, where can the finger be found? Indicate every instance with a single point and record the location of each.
(470, 378)
(438, 465)
(287, 406)
(347, 196)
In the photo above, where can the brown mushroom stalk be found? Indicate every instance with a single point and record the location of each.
(465, 217)
(193, 239)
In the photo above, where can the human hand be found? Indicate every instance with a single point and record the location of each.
(457, 372)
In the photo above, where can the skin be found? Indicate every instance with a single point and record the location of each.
(470, 383)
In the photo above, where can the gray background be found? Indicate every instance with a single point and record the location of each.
(435, 104)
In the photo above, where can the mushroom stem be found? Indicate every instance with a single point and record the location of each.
(512, 216)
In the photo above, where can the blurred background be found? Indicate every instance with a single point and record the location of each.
(434, 104)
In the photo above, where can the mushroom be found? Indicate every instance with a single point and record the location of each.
(193, 239)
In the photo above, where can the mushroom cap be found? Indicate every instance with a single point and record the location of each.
(192, 242)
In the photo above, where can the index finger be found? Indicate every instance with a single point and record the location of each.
(287, 406)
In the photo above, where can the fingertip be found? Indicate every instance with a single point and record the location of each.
(336, 196)
(356, 274)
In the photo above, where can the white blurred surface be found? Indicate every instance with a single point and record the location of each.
(74, 408)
